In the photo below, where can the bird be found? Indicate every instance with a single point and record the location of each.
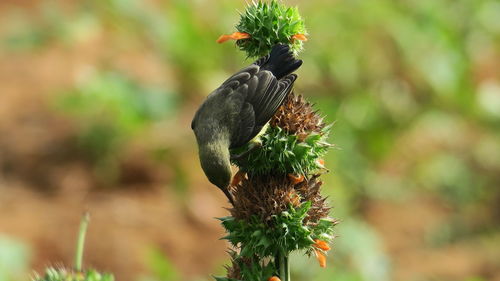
(238, 110)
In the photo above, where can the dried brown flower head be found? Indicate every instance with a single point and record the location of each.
(297, 116)
(267, 196)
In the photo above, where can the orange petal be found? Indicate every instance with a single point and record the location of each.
(238, 177)
(296, 179)
(274, 278)
(234, 36)
(301, 37)
(321, 162)
(223, 38)
(240, 35)
(321, 245)
(321, 258)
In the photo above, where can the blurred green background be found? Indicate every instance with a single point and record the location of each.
(96, 98)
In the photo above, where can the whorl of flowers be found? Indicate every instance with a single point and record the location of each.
(62, 274)
(294, 143)
(264, 24)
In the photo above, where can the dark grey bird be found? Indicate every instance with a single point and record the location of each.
(236, 112)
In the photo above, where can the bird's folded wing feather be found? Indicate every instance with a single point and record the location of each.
(261, 94)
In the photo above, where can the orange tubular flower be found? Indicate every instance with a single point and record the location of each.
(274, 278)
(234, 36)
(238, 177)
(321, 258)
(301, 37)
(296, 179)
(321, 245)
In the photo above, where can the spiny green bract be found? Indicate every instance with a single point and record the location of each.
(255, 271)
(283, 153)
(269, 24)
(61, 274)
(284, 233)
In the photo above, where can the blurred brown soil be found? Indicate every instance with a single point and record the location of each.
(405, 226)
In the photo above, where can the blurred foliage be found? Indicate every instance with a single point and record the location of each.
(175, 30)
(406, 80)
(111, 106)
(111, 109)
(413, 85)
(22, 35)
(160, 266)
(14, 259)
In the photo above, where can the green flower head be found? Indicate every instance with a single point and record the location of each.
(264, 24)
(62, 274)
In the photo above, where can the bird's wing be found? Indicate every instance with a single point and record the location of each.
(259, 96)
(244, 126)
(268, 95)
(218, 99)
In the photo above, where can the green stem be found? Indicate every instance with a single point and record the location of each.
(287, 264)
(281, 266)
(284, 266)
(81, 241)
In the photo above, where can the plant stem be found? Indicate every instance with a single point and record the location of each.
(287, 268)
(284, 266)
(81, 241)
(281, 267)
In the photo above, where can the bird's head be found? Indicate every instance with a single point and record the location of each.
(214, 159)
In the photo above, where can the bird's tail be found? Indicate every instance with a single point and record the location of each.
(280, 61)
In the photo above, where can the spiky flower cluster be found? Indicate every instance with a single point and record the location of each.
(62, 274)
(281, 234)
(293, 144)
(269, 24)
